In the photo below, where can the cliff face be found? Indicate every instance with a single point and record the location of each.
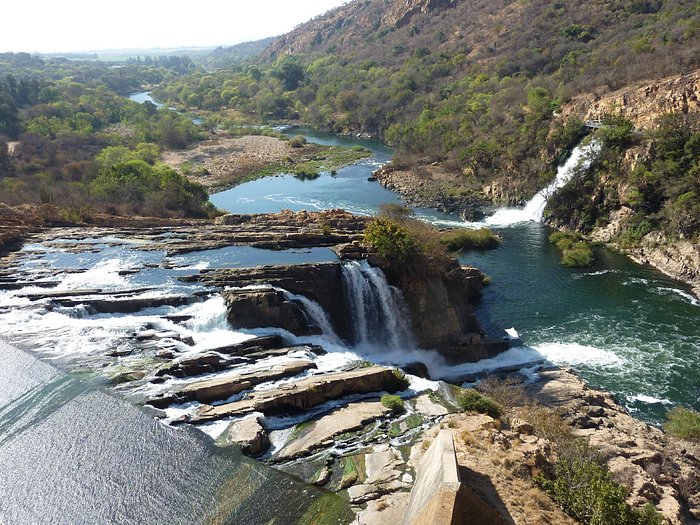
(641, 103)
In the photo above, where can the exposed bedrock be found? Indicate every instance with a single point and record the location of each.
(264, 307)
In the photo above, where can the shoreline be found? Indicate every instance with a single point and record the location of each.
(225, 161)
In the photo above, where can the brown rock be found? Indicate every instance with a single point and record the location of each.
(307, 393)
(249, 434)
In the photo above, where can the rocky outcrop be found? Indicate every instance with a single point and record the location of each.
(400, 13)
(642, 103)
(656, 468)
(286, 229)
(433, 187)
(353, 20)
(222, 387)
(250, 308)
(307, 393)
(679, 259)
(264, 308)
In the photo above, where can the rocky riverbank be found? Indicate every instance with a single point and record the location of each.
(498, 459)
(432, 186)
(679, 259)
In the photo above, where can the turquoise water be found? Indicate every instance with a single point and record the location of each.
(625, 328)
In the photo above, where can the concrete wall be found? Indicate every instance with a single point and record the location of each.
(438, 497)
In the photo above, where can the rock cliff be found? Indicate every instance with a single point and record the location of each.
(641, 103)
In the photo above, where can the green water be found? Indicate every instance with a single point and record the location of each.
(624, 328)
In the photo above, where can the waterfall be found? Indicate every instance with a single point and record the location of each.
(580, 159)
(378, 310)
(316, 315)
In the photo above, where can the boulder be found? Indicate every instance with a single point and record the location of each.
(248, 433)
(260, 308)
(191, 365)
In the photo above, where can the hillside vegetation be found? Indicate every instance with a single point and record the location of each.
(78, 143)
(471, 84)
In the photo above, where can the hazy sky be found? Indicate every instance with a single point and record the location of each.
(82, 25)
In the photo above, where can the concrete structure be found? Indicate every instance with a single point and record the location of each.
(439, 498)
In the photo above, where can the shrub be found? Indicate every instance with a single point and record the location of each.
(465, 239)
(470, 400)
(402, 382)
(683, 423)
(297, 142)
(394, 403)
(392, 241)
(585, 490)
(507, 392)
(574, 251)
(547, 423)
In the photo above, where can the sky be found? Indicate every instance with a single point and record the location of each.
(50, 26)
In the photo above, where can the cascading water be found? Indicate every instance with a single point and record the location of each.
(580, 159)
(316, 315)
(378, 311)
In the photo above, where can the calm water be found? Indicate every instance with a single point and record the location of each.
(625, 328)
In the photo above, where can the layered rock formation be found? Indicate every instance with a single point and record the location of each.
(641, 103)
(440, 307)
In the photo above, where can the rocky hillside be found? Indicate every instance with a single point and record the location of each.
(642, 103)
(350, 22)
(644, 185)
(473, 86)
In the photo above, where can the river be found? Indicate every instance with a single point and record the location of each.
(624, 328)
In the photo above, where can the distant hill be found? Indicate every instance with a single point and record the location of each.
(226, 57)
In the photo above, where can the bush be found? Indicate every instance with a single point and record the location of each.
(585, 490)
(297, 142)
(683, 423)
(465, 239)
(575, 252)
(470, 400)
(508, 392)
(392, 241)
(394, 403)
(402, 382)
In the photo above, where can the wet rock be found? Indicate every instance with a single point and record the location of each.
(249, 434)
(223, 387)
(417, 369)
(319, 282)
(190, 365)
(128, 306)
(268, 307)
(177, 319)
(252, 345)
(307, 393)
(127, 377)
(347, 419)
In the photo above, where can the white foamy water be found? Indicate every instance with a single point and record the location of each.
(580, 158)
(685, 295)
(104, 275)
(649, 399)
(512, 333)
(561, 354)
